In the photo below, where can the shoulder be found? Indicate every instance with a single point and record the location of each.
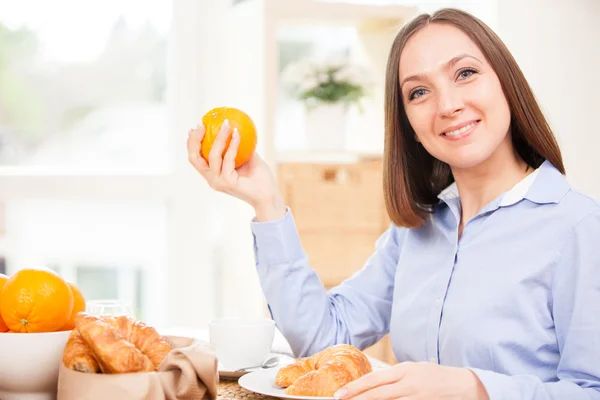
(398, 235)
(557, 201)
(578, 249)
(576, 221)
(577, 206)
(577, 199)
(392, 236)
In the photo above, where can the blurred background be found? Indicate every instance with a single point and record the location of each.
(96, 100)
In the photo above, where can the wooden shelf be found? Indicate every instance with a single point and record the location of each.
(340, 213)
(324, 157)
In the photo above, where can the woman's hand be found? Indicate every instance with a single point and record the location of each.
(416, 381)
(252, 182)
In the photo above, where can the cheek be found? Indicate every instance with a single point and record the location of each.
(422, 120)
(495, 107)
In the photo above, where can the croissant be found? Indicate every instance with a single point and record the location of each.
(113, 345)
(78, 356)
(144, 338)
(324, 372)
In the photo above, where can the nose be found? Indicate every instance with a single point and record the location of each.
(449, 103)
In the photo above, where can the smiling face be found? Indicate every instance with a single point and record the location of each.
(453, 98)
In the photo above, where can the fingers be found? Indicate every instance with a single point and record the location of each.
(369, 381)
(219, 171)
(385, 392)
(194, 142)
(228, 168)
(215, 157)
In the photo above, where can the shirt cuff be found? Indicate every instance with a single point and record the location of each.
(498, 386)
(276, 242)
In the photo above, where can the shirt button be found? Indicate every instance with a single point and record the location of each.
(438, 302)
(433, 360)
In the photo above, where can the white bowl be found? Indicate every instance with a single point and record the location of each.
(29, 364)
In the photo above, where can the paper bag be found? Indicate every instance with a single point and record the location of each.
(188, 372)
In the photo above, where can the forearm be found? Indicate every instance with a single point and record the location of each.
(356, 312)
(528, 387)
(296, 297)
(300, 306)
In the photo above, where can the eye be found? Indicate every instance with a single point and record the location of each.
(466, 73)
(416, 93)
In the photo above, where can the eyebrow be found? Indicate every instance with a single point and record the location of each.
(448, 64)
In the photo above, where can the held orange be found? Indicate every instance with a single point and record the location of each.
(36, 300)
(213, 120)
(78, 306)
(3, 279)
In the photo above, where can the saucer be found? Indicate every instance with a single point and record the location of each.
(230, 374)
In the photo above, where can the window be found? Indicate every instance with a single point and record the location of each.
(84, 88)
(113, 204)
(83, 115)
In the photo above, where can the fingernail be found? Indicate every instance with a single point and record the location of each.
(340, 394)
(226, 123)
(236, 133)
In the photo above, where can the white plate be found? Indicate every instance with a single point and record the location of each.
(228, 374)
(263, 382)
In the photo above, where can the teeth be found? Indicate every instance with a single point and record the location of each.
(460, 131)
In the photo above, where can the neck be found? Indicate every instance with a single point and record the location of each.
(481, 184)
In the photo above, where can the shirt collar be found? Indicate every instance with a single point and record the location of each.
(519, 191)
(545, 185)
(451, 192)
(549, 187)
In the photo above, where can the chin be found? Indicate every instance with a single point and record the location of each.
(465, 161)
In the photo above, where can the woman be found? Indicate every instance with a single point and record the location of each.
(486, 280)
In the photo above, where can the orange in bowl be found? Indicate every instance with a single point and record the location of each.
(213, 120)
(78, 306)
(3, 279)
(36, 300)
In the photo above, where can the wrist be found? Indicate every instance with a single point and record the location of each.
(270, 209)
(476, 389)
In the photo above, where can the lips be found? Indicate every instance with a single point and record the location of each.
(460, 130)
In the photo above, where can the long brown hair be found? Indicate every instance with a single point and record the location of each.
(412, 178)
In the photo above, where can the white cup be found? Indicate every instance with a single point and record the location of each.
(241, 342)
(99, 308)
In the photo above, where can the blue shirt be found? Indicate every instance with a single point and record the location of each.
(516, 299)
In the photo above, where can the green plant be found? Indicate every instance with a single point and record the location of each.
(329, 81)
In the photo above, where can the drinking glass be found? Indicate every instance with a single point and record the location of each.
(109, 307)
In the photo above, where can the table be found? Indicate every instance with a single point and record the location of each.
(230, 390)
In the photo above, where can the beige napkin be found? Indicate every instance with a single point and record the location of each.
(194, 367)
(188, 372)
